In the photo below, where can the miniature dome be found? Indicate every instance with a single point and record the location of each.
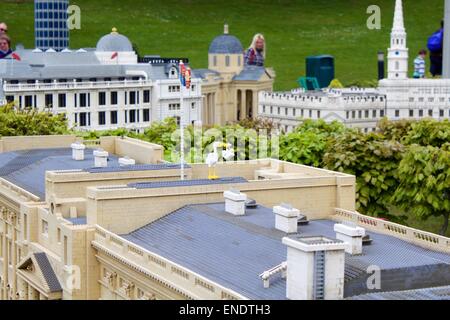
(114, 42)
(225, 44)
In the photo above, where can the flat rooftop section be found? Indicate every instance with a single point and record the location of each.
(234, 250)
(137, 167)
(186, 183)
(438, 293)
(27, 168)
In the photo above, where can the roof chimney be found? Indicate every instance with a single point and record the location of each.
(126, 161)
(286, 218)
(315, 268)
(225, 29)
(235, 202)
(78, 151)
(352, 235)
(100, 158)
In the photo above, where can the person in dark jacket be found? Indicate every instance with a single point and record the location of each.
(5, 46)
(256, 54)
(436, 58)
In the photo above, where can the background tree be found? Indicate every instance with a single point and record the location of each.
(424, 183)
(374, 162)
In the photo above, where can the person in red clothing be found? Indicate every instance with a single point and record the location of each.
(256, 54)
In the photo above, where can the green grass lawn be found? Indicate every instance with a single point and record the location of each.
(293, 29)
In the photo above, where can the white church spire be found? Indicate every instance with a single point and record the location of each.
(398, 17)
(398, 52)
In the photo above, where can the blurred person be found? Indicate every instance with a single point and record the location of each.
(5, 46)
(419, 65)
(435, 45)
(256, 53)
(3, 28)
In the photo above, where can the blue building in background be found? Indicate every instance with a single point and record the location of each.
(50, 24)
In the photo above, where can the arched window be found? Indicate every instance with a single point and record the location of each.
(215, 61)
(239, 60)
(397, 65)
(227, 61)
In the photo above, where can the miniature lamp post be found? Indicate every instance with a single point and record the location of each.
(380, 65)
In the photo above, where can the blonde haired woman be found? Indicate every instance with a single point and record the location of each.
(256, 54)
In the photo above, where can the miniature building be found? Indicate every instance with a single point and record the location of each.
(51, 30)
(101, 88)
(139, 232)
(230, 89)
(396, 97)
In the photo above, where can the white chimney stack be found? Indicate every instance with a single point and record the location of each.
(286, 218)
(78, 151)
(315, 268)
(235, 202)
(126, 161)
(352, 235)
(100, 158)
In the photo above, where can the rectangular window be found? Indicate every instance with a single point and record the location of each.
(310, 113)
(381, 113)
(318, 114)
(9, 99)
(113, 117)
(44, 228)
(411, 113)
(28, 101)
(420, 113)
(102, 98)
(62, 100)
(366, 113)
(83, 121)
(347, 114)
(441, 113)
(126, 116)
(83, 100)
(359, 114)
(353, 114)
(114, 98)
(102, 118)
(59, 235)
(132, 97)
(430, 113)
(25, 227)
(132, 116)
(397, 113)
(146, 96)
(49, 100)
(65, 250)
(146, 115)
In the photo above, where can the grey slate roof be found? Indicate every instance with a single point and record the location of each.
(27, 168)
(70, 65)
(138, 167)
(201, 73)
(226, 44)
(78, 221)
(114, 42)
(233, 251)
(250, 73)
(47, 271)
(186, 183)
(438, 293)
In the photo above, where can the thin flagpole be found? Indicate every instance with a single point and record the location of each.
(181, 123)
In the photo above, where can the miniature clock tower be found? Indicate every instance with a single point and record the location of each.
(398, 52)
